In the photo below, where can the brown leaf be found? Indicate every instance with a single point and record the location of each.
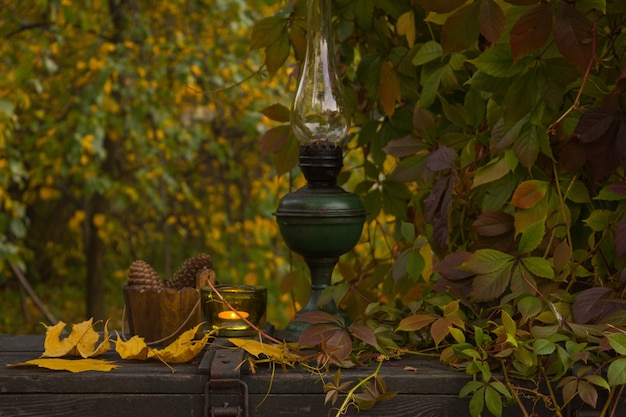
(315, 334)
(573, 36)
(274, 139)
(416, 322)
(531, 31)
(491, 20)
(277, 113)
(529, 193)
(364, 333)
(404, 146)
(493, 223)
(389, 89)
(460, 31)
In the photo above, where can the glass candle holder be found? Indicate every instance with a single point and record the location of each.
(249, 304)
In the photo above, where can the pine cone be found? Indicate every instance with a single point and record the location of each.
(143, 275)
(186, 274)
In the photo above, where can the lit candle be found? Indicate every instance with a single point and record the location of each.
(232, 315)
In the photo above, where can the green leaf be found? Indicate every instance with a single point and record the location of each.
(428, 52)
(529, 306)
(598, 220)
(470, 387)
(497, 61)
(539, 267)
(267, 31)
(484, 261)
(494, 170)
(616, 374)
(488, 286)
(429, 91)
(477, 403)
(532, 237)
(493, 401)
(544, 347)
(276, 53)
(617, 342)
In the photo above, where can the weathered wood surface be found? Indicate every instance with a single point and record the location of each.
(151, 389)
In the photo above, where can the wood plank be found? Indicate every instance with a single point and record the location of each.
(100, 405)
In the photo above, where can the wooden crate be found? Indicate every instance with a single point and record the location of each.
(151, 389)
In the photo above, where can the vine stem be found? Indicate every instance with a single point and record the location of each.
(205, 277)
(557, 409)
(350, 394)
(513, 391)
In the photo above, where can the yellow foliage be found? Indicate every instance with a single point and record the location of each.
(81, 341)
(99, 220)
(72, 365)
(258, 349)
(182, 350)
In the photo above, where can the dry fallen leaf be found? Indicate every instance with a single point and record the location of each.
(256, 348)
(81, 341)
(182, 350)
(72, 365)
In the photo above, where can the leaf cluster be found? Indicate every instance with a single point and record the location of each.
(487, 151)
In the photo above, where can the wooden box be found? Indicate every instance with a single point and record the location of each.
(425, 389)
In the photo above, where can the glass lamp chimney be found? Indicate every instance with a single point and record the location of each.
(319, 112)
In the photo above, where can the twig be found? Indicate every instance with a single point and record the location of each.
(31, 293)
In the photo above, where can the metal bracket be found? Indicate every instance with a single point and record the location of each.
(225, 395)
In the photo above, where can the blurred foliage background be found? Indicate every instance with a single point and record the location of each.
(129, 129)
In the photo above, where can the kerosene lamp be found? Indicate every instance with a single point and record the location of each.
(319, 221)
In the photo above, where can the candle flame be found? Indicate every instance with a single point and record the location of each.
(232, 315)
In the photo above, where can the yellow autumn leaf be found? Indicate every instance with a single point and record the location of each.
(55, 347)
(183, 349)
(257, 348)
(133, 348)
(81, 341)
(406, 27)
(72, 365)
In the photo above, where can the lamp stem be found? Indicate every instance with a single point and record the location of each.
(321, 273)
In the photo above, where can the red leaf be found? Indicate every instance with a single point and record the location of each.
(588, 393)
(493, 223)
(460, 31)
(364, 333)
(316, 317)
(405, 146)
(531, 31)
(339, 346)
(573, 36)
(594, 124)
(491, 20)
(443, 158)
(274, 139)
(313, 335)
(448, 267)
(590, 303)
